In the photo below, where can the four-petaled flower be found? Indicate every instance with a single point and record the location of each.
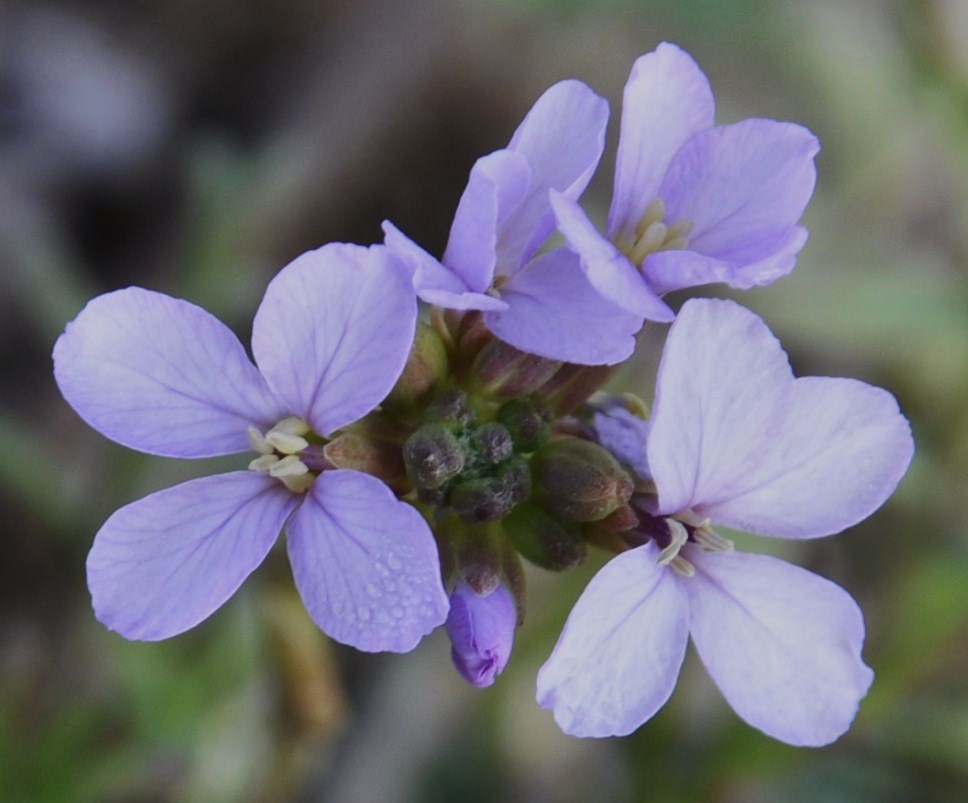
(163, 376)
(736, 440)
(540, 304)
(692, 203)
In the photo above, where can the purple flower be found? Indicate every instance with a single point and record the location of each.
(736, 440)
(692, 204)
(481, 630)
(543, 305)
(165, 377)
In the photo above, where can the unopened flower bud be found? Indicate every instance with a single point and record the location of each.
(579, 480)
(432, 456)
(573, 385)
(543, 538)
(481, 500)
(481, 630)
(492, 443)
(449, 406)
(527, 421)
(426, 365)
(504, 372)
(362, 452)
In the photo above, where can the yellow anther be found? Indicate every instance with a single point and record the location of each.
(258, 442)
(286, 443)
(289, 466)
(682, 566)
(294, 425)
(655, 211)
(263, 463)
(679, 536)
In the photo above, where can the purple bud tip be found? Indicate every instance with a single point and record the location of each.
(481, 630)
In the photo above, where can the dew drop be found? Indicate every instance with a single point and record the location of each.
(363, 614)
(373, 591)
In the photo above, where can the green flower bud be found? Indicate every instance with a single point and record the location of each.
(432, 456)
(528, 421)
(449, 406)
(579, 480)
(544, 539)
(371, 455)
(425, 368)
(492, 443)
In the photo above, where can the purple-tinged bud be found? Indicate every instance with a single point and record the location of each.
(371, 455)
(504, 372)
(481, 630)
(572, 386)
(543, 538)
(426, 366)
(527, 421)
(492, 443)
(579, 480)
(449, 406)
(433, 456)
(483, 499)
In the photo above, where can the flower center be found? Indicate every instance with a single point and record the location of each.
(672, 533)
(286, 454)
(652, 234)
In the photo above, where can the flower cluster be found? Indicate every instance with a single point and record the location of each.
(416, 454)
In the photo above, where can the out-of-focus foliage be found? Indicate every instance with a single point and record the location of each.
(196, 147)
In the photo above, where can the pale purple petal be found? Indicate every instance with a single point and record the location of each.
(161, 565)
(161, 375)
(427, 272)
(562, 138)
(333, 332)
(553, 311)
(366, 564)
(497, 186)
(625, 436)
(674, 270)
(462, 301)
(743, 187)
(782, 644)
(617, 659)
(481, 630)
(608, 271)
(667, 100)
(738, 440)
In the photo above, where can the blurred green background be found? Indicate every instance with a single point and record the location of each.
(196, 147)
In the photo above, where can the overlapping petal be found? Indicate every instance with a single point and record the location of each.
(608, 271)
(333, 332)
(161, 565)
(365, 564)
(625, 436)
(554, 312)
(783, 644)
(666, 101)
(161, 375)
(617, 659)
(743, 187)
(737, 439)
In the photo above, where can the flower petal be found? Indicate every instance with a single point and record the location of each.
(497, 185)
(481, 630)
(161, 375)
(366, 564)
(608, 271)
(161, 565)
(617, 659)
(738, 440)
(625, 436)
(554, 312)
(562, 137)
(333, 332)
(743, 187)
(674, 270)
(667, 100)
(782, 644)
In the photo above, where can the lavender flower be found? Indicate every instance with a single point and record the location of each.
(165, 377)
(481, 630)
(692, 204)
(736, 440)
(543, 305)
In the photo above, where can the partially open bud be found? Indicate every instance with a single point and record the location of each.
(543, 538)
(425, 367)
(481, 630)
(579, 480)
(432, 456)
(504, 372)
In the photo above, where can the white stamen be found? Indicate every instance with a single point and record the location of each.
(653, 212)
(286, 443)
(711, 541)
(294, 425)
(258, 442)
(679, 536)
(682, 566)
(289, 466)
(264, 463)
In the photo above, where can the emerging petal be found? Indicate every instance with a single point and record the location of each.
(481, 630)
(743, 187)
(782, 644)
(366, 564)
(161, 565)
(333, 332)
(554, 312)
(608, 271)
(496, 187)
(161, 375)
(738, 440)
(625, 436)
(562, 138)
(667, 100)
(617, 659)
